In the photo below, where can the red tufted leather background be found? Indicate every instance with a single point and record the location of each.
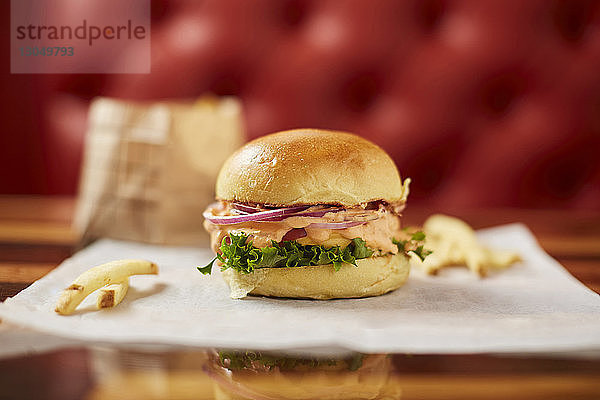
(481, 102)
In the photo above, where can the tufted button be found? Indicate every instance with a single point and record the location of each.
(227, 82)
(292, 13)
(571, 18)
(360, 91)
(429, 14)
(500, 92)
(557, 176)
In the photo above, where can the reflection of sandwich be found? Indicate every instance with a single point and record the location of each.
(310, 214)
(252, 375)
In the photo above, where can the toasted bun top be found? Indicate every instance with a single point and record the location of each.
(309, 166)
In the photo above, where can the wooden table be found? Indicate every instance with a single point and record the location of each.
(35, 236)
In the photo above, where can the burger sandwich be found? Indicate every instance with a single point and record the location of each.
(310, 213)
(270, 376)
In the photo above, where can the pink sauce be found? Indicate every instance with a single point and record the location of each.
(378, 232)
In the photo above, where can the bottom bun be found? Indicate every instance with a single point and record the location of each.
(373, 276)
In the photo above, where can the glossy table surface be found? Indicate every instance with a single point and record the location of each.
(35, 236)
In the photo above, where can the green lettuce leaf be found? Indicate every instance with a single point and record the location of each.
(206, 270)
(422, 252)
(360, 249)
(413, 245)
(240, 255)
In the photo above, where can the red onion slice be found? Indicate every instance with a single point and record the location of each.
(306, 214)
(335, 225)
(257, 216)
(245, 208)
(319, 213)
(254, 209)
(244, 213)
(294, 234)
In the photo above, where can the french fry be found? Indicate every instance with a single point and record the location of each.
(112, 295)
(98, 277)
(454, 242)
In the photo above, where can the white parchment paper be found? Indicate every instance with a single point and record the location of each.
(535, 306)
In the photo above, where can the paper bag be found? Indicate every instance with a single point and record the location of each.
(149, 170)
